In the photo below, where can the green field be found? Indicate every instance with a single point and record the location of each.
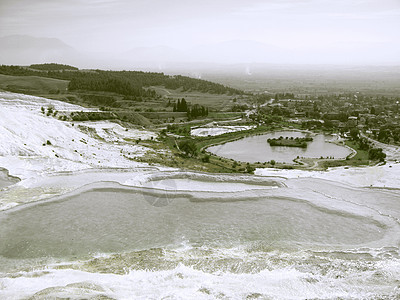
(217, 102)
(362, 155)
(32, 84)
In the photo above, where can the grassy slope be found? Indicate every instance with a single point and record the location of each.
(42, 86)
(32, 84)
(360, 159)
(136, 112)
(217, 102)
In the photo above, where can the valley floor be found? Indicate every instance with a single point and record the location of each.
(38, 149)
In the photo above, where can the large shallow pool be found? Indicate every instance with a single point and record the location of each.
(257, 149)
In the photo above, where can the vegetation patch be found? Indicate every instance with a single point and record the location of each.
(290, 142)
(52, 67)
(179, 129)
(92, 116)
(32, 84)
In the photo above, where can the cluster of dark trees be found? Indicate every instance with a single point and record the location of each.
(197, 111)
(388, 133)
(193, 112)
(52, 67)
(108, 83)
(188, 147)
(376, 154)
(147, 79)
(92, 116)
(192, 84)
(18, 71)
(180, 106)
(290, 142)
(239, 108)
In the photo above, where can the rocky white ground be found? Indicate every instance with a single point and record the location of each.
(217, 130)
(382, 176)
(34, 145)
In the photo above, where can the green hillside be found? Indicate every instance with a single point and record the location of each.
(142, 98)
(52, 67)
(32, 84)
(128, 83)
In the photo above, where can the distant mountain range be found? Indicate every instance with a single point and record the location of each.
(26, 50)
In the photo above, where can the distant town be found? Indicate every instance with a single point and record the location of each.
(376, 116)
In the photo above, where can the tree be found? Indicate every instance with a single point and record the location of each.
(188, 147)
(197, 111)
(384, 135)
(206, 158)
(249, 168)
(376, 154)
(354, 133)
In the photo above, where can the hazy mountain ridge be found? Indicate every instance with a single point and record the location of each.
(24, 49)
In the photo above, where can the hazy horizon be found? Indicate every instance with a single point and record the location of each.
(283, 32)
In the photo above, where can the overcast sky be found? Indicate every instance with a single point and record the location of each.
(118, 25)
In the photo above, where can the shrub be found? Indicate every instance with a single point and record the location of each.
(206, 158)
(376, 154)
(249, 168)
(188, 147)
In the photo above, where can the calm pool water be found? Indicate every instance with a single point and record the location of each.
(256, 148)
(115, 243)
